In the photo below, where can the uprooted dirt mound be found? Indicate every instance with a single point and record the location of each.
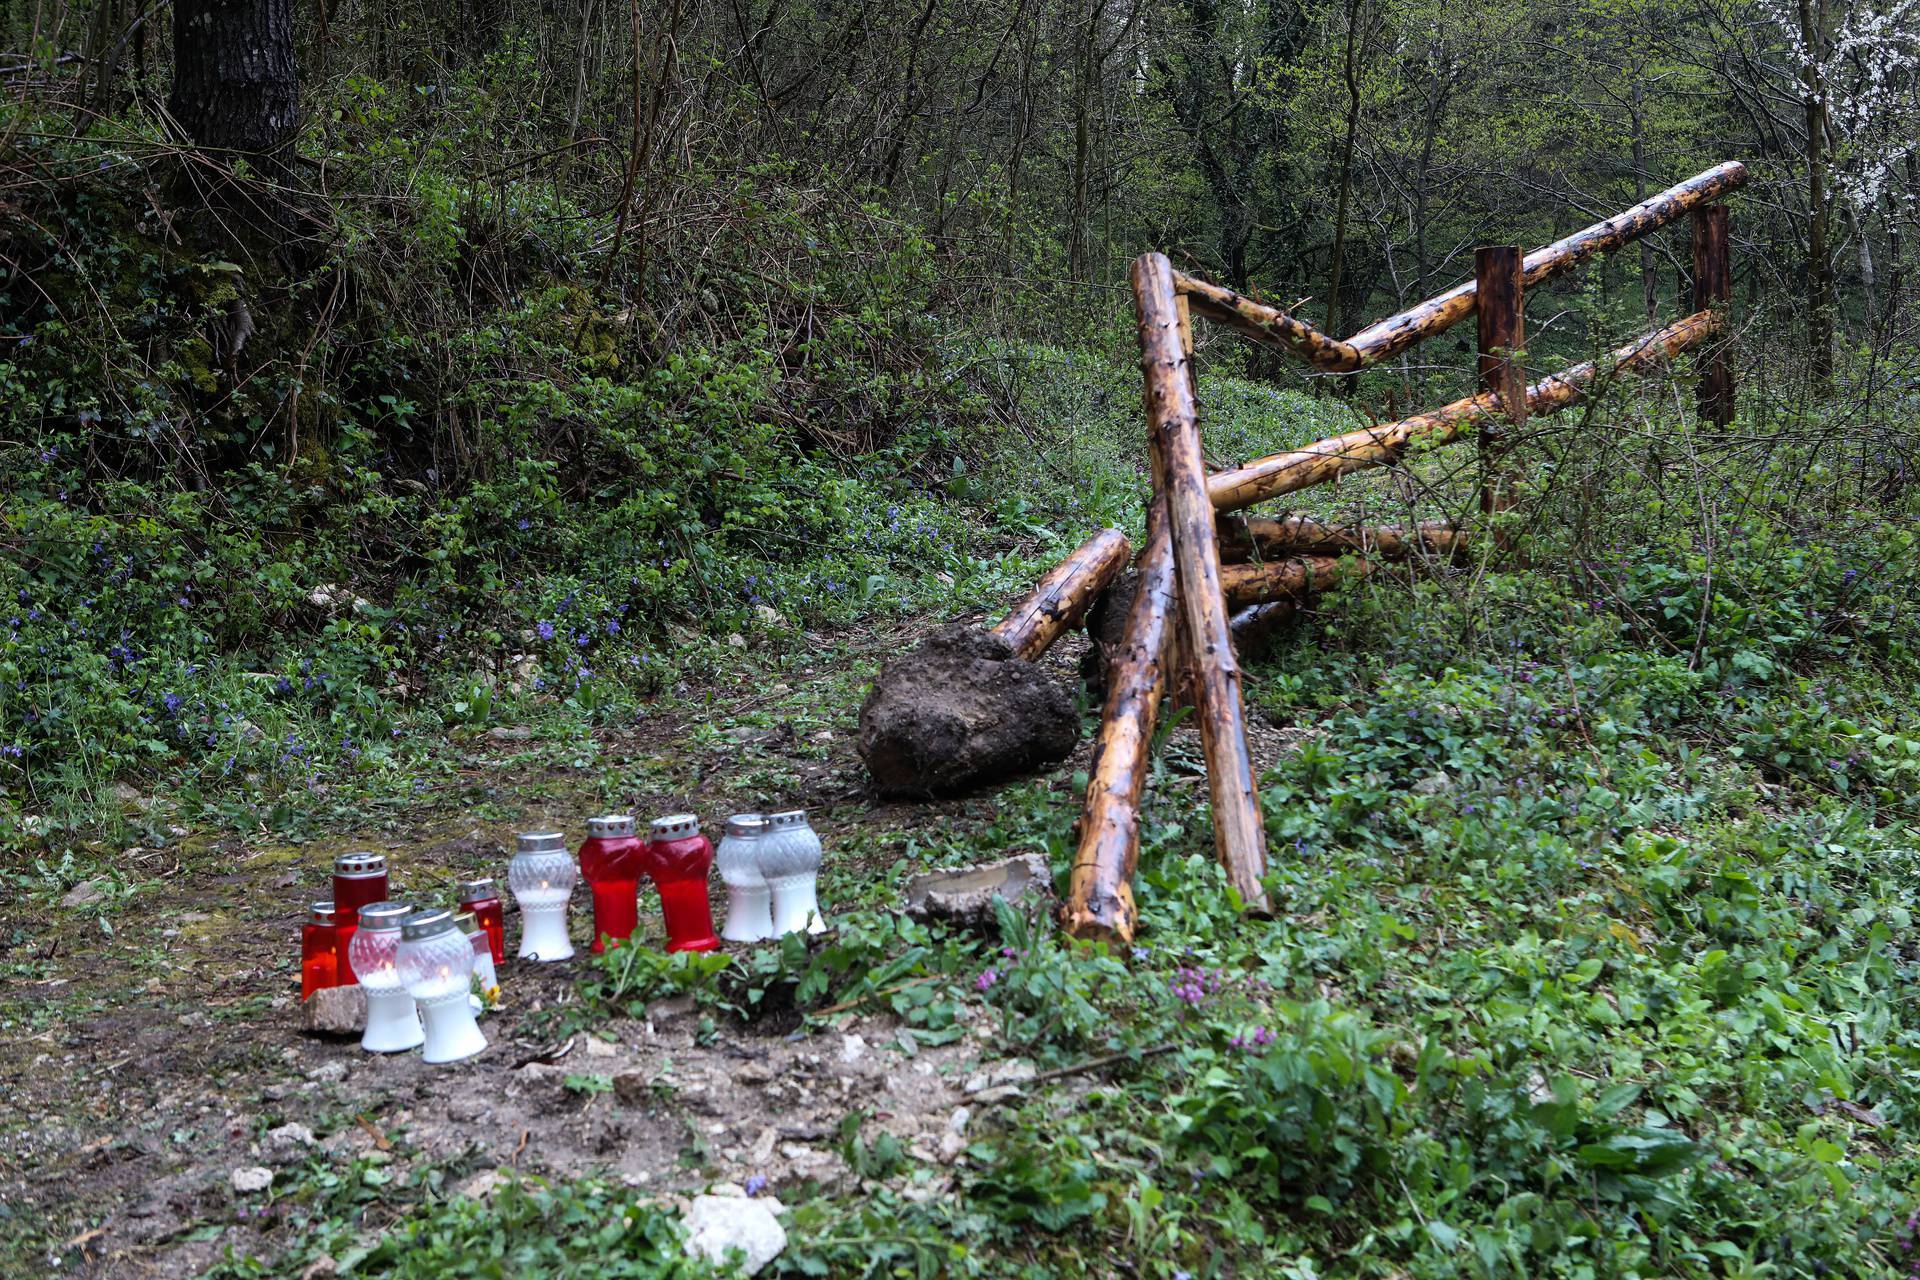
(961, 711)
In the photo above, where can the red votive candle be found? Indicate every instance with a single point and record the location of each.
(359, 880)
(480, 897)
(319, 950)
(610, 864)
(678, 859)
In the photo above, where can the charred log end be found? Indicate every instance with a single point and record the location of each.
(959, 712)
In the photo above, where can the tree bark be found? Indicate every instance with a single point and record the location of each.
(1384, 444)
(1713, 287)
(1174, 432)
(1819, 270)
(1060, 600)
(235, 87)
(1501, 315)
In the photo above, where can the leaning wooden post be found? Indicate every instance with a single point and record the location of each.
(1713, 287)
(1173, 431)
(1498, 283)
(1100, 883)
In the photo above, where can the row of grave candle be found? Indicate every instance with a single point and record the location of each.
(411, 964)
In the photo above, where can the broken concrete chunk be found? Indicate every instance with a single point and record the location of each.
(965, 895)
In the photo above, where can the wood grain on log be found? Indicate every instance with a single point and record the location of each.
(1396, 333)
(1269, 538)
(1385, 443)
(1173, 430)
(1060, 599)
(1248, 584)
(1100, 883)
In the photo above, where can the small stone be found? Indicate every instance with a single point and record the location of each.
(671, 1009)
(480, 1185)
(737, 641)
(598, 1048)
(769, 616)
(328, 1073)
(753, 1073)
(852, 1048)
(633, 1088)
(83, 894)
(287, 1144)
(958, 1121)
(1433, 784)
(250, 1179)
(717, 1224)
(466, 1108)
(334, 1011)
(514, 733)
(250, 732)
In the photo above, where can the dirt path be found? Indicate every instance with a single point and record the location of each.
(152, 1064)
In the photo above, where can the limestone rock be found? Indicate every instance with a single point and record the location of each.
(250, 1179)
(334, 1011)
(716, 1224)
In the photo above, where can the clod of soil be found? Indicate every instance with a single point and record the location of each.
(961, 711)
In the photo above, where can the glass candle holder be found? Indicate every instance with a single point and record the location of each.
(436, 964)
(359, 880)
(319, 950)
(678, 859)
(610, 864)
(790, 859)
(483, 900)
(749, 897)
(485, 976)
(393, 1023)
(542, 876)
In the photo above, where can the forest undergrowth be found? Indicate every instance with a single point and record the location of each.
(1594, 859)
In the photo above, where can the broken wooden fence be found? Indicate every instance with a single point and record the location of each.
(1195, 570)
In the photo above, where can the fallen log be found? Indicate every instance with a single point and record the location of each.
(1100, 883)
(1396, 333)
(1251, 584)
(1173, 431)
(1061, 598)
(1255, 626)
(1383, 444)
(1267, 538)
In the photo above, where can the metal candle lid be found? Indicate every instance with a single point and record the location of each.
(613, 824)
(321, 913)
(384, 915)
(360, 866)
(467, 923)
(746, 824)
(474, 890)
(426, 924)
(788, 818)
(676, 826)
(542, 842)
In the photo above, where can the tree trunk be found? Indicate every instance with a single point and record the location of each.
(1352, 78)
(235, 87)
(1819, 253)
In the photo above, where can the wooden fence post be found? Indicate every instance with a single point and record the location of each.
(1713, 287)
(1498, 283)
(1173, 431)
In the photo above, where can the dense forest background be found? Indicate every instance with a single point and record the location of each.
(346, 346)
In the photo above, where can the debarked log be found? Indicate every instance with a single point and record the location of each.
(1173, 432)
(1384, 444)
(1249, 584)
(1100, 884)
(1396, 333)
(1270, 538)
(1062, 597)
